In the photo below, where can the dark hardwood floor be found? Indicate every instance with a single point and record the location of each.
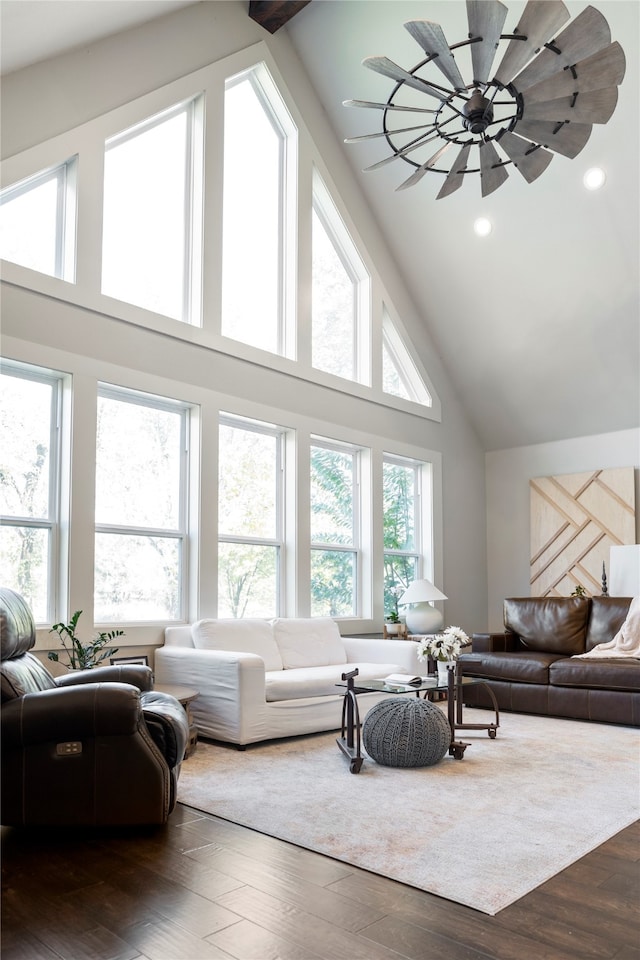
(205, 888)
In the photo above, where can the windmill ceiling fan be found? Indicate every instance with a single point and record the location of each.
(544, 95)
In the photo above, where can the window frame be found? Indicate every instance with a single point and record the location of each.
(279, 117)
(355, 549)
(66, 176)
(181, 533)
(279, 541)
(417, 553)
(325, 208)
(52, 522)
(193, 202)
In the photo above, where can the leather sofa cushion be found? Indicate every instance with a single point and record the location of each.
(299, 683)
(525, 667)
(167, 723)
(309, 642)
(24, 674)
(607, 616)
(603, 674)
(17, 628)
(239, 636)
(551, 624)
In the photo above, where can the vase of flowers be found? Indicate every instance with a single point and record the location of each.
(444, 648)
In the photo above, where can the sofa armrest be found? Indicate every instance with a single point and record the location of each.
(232, 695)
(493, 642)
(136, 674)
(373, 650)
(73, 713)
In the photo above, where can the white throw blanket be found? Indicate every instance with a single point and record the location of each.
(626, 642)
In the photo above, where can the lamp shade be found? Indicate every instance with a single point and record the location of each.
(422, 617)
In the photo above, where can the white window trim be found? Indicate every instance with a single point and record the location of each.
(355, 548)
(279, 541)
(51, 523)
(180, 533)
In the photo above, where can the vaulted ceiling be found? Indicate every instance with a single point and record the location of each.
(538, 324)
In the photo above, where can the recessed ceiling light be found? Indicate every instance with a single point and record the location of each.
(483, 227)
(594, 178)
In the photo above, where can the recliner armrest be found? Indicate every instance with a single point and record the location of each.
(494, 642)
(74, 713)
(136, 674)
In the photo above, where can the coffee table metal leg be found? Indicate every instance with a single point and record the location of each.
(456, 747)
(349, 740)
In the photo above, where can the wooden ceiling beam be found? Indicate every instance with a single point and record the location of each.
(273, 14)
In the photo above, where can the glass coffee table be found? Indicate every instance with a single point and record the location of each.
(349, 740)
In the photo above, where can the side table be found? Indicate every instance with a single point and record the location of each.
(184, 695)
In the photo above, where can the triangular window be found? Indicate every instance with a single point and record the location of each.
(340, 293)
(400, 376)
(37, 221)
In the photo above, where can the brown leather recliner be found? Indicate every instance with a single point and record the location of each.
(94, 747)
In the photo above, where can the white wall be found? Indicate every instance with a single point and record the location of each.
(508, 501)
(48, 99)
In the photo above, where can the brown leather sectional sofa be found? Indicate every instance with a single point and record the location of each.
(531, 667)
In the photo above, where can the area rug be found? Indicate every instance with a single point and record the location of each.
(482, 831)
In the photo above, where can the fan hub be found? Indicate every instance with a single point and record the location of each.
(478, 113)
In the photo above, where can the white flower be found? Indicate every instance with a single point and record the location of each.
(459, 634)
(444, 646)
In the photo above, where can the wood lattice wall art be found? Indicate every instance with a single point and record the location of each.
(575, 519)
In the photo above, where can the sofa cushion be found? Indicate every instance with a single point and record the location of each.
(526, 667)
(301, 682)
(596, 674)
(551, 624)
(309, 642)
(239, 636)
(606, 617)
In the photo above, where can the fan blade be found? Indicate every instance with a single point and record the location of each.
(486, 19)
(594, 107)
(568, 139)
(384, 106)
(401, 153)
(454, 177)
(604, 69)
(390, 69)
(420, 172)
(430, 36)
(491, 176)
(587, 34)
(383, 133)
(540, 20)
(528, 159)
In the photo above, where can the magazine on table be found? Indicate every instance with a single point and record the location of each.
(408, 678)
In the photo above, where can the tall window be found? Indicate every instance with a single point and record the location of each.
(340, 294)
(402, 526)
(259, 147)
(334, 531)
(38, 222)
(152, 216)
(250, 499)
(140, 508)
(29, 469)
(399, 375)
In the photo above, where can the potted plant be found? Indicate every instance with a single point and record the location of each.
(83, 656)
(392, 620)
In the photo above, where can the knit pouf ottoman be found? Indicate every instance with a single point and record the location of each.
(406, 732)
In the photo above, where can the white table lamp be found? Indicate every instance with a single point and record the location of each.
(422, 617)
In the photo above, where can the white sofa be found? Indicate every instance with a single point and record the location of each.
(264, 679)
